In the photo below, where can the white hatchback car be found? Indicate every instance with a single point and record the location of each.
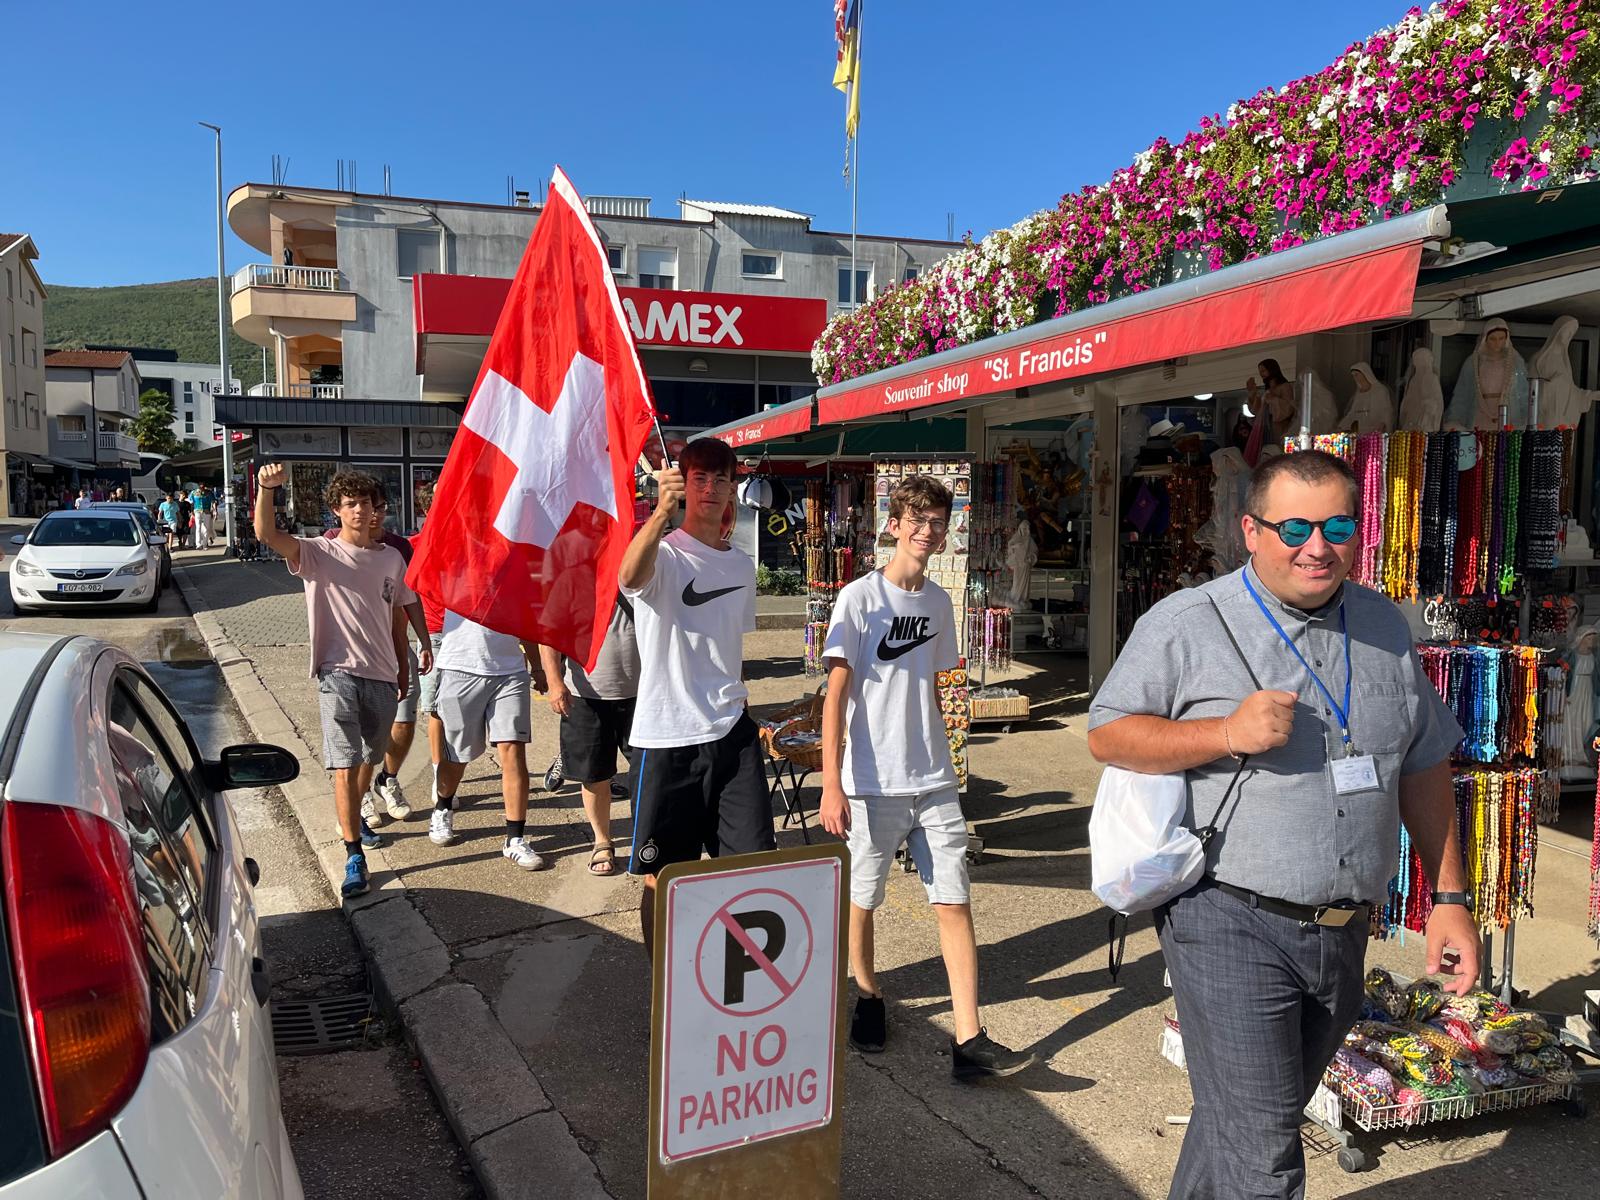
(86, 556)
(136, 1051)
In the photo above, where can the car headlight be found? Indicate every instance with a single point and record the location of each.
(137, 568)
(23, 567)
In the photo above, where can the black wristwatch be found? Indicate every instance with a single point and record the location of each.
(1462, 898)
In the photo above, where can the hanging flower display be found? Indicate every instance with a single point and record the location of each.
(1487, 94)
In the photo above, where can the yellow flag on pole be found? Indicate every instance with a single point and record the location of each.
(847, 67)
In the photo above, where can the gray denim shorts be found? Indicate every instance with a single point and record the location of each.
(483, 710)
(405, 712)
(356, 715)
(428, 685)
(932, 829)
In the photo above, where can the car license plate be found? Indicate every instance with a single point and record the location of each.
(80, 587)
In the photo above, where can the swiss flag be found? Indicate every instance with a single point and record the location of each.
(534, 507)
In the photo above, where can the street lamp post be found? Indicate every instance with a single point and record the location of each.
(222, 355)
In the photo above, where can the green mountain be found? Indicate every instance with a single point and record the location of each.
(181, 316)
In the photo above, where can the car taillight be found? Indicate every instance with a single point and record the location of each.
(76, 941)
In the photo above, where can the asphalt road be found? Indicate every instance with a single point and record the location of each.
(363, 1121)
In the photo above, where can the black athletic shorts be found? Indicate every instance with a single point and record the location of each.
(710, 797)
(592, 733)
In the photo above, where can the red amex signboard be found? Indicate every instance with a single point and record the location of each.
(1370, 287)
(746, 1029)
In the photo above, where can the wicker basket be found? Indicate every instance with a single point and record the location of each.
(803, 716)
(998, 708)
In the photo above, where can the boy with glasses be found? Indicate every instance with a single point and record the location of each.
(889, 780)
(699, 783)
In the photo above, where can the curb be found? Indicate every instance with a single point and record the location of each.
(519, 1145)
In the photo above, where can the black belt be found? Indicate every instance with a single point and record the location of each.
(1335, 915)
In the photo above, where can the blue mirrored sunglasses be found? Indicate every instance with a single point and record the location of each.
(1296, 531)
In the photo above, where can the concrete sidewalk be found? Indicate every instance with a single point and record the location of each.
(527, 995)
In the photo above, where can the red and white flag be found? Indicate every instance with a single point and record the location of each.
(534, 507)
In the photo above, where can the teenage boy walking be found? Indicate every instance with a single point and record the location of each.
(596, 711)
(698, 780)
(204, 505)
(355, 600)
(483, 700)
(887, 778)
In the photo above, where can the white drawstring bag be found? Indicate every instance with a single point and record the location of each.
(1141, 853)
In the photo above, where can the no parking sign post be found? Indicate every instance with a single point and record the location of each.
(747, 1036)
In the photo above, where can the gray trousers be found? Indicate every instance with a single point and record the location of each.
(1264, 1001)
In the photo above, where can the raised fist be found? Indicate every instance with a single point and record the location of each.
(272, 475)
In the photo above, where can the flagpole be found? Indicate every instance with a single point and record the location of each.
(855, 172)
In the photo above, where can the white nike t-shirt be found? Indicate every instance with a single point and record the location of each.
(690, 621)
(895, 642)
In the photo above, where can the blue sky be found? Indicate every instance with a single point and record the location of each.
(988, 110)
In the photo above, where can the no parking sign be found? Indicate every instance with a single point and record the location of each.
(746, 1032)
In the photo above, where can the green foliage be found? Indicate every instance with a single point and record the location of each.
(181, 316)
(781, 582)
(153, 426)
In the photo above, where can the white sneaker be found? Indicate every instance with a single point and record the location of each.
(523, 855)
(369, 810)
(394, 800)
(442, 827)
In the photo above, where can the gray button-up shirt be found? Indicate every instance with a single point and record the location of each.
(1286, 832)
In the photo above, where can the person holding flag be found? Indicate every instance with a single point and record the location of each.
(698, 777)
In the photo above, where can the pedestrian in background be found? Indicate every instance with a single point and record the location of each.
(1302, 692)
(596, 711)
(204, 506)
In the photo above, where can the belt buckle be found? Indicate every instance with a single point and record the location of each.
(1332, 917)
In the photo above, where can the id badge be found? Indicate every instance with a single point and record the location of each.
(1355, 773)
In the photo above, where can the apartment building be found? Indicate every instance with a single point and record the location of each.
(376, 311)
(88, 396)
(192, 388)
(23, 440)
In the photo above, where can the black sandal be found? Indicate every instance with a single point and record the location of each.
(609, 862)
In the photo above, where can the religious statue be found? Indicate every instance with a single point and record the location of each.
(1421, 395)
(1371, 408)
(1493, 376)
(1021, 554)
(1561, 401)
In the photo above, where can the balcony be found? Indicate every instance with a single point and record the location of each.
(115, 445)
(300, 391)
(291, 301)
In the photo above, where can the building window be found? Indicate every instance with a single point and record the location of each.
(11, 410)
(911, 272)
(863, 284)
(30, 408)
(188, 421)
(11, 349)
(75, 424)
(760, 264)
(11, 284)
(615, 256)
(30, 297)
(658, 268)
(188, 391)
(418, 252)
(30, 348)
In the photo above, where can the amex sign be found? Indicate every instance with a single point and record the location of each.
(746, 1029)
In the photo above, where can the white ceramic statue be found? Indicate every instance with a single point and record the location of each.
(1561, 401)
(1371, 408)
(1021, 554)
(1422, 395)
(1494, 375)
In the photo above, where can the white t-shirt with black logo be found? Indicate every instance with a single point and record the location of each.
(895, 642)
(690, 621)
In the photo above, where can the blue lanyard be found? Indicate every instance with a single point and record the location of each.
(1343, 713)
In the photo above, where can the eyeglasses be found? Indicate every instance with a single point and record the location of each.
(919, 524)
(1296, 531)
(716, 483)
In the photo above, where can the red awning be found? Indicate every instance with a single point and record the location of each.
(779, 421)
(1268, 299)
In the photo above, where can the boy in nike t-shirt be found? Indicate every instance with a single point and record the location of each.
(698, 777)
(887, 778)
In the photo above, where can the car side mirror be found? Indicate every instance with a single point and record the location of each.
(155, 539)
(19, 539)
(253, 764)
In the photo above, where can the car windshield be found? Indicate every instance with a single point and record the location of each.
(85, 531)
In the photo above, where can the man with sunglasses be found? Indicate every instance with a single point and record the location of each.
(1302, 693)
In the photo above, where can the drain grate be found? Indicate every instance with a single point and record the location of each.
(321, 1024)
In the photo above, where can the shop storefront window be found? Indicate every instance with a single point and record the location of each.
(423, 480)
(701, 403)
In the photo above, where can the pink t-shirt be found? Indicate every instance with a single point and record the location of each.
(351, 595)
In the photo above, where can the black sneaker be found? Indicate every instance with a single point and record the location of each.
(619, 791)
(869, 1026)
(983, 1055)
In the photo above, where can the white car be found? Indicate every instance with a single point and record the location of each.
(136, 1051)
(86, 556)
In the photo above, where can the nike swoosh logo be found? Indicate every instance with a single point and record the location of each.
(888, 653)
(693, 598)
